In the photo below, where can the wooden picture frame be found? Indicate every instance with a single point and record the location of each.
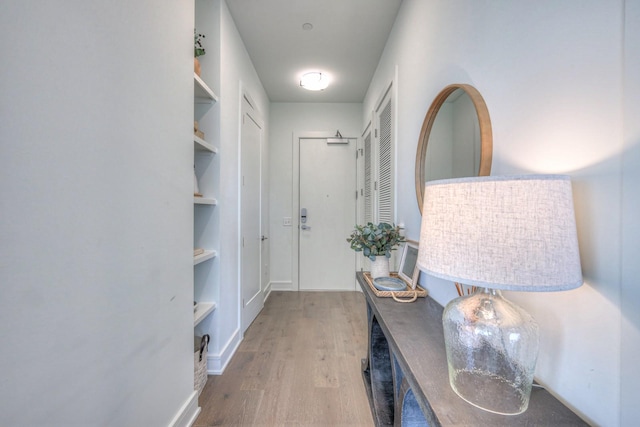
(408, 269)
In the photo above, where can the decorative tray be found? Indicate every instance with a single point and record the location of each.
(418, 292)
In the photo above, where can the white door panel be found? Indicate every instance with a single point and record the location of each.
(328, 193)
(251, 244)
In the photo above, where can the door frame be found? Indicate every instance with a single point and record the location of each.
(360, 183)
(295, 196)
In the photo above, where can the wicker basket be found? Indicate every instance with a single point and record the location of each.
(201, 345)
(408, 295)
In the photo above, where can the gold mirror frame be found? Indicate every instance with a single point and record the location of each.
(486, 136)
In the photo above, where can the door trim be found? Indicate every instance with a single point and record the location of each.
(295, 196)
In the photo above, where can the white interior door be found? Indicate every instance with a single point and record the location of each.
(328, 197)
(251, 149)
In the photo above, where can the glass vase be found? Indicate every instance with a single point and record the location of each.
(492, 348)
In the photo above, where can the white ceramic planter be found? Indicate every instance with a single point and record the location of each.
(380, 267)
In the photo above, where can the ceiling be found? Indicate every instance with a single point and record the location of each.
(346, 42)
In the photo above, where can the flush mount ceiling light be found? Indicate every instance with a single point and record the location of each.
(314, 81)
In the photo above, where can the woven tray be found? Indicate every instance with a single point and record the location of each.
(409, 293)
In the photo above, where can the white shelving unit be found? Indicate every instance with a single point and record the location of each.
(201, 311)
(200, 144)
(208, 310)
(205, 256)
(204, 153)
(204, 201)
(202, 92)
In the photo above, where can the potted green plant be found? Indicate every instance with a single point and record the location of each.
(376, 243)
(198, 50)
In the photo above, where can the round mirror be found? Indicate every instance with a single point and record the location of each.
(455, 140)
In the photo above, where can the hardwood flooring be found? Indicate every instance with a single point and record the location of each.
(298, 365)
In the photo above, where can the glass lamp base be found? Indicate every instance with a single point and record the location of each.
(492, 348)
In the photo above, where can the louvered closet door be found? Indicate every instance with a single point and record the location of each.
(368, 178)
(385, 161)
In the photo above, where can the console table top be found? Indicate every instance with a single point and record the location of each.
(415, 335)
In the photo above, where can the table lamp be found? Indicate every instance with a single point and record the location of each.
(515, 233)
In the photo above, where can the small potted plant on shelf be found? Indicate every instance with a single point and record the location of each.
(376, 243)
(198, 50)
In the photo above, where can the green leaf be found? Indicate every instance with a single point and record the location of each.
(375, 239)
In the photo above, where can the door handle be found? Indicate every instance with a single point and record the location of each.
(263, 238)
(305, 227)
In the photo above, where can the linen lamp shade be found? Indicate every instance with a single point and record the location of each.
(497, 233)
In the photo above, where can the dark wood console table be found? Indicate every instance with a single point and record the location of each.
(405, 373)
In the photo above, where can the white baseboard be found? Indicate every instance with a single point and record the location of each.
(187, 415)
(216, 363)
(266, 292)
(282, 286)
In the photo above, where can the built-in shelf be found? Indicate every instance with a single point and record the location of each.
(204, 201)
(206, 169)
(206, 255)
(200, 144)
(202, 92)
(203, 309)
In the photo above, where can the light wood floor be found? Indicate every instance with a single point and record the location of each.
(299, 365)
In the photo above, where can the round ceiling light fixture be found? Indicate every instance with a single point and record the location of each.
(314, 80)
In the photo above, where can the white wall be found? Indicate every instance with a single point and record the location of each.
(237, 74)
(287, 119)
(630, 292)
(551, 75)
(96, 207)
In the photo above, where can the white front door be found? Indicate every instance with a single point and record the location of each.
(327, 194)
(251, 244)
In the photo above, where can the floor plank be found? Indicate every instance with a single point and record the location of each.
(298, 365)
